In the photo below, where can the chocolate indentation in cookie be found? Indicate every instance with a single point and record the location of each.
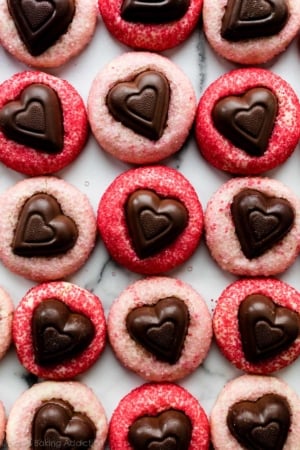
(154, 222)
(169, 430)
(160, 328)
(142, 104)
(157, 11)
(35, 119)
(57, 425)
(262, 424)
(58, 333)
(40, 23)
(260, 221)
(247, 120)
(266, 328)
(43, 229)
(250, 19)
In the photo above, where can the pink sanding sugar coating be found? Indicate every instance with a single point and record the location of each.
(167, 183)
(221, 152)
(251, 387)
(6, 318)
(121, 141)
(226, 326)
(28, 160)
(80, 301)
(150, 400)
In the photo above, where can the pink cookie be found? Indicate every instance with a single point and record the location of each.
(48, 228)
(156, 220)
(159, 414)
(252, 226)
(148, 25)
(250, 32)
(248, 121)
(53, 414)
(256, 412)
(43, 123)
(46, 34)
(160, 328)
(141, 107)
(59, 330)
(256, 324)
(6, 318)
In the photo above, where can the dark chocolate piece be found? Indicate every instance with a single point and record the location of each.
(40, 23)
(262, 424)
(169, 430)
(43, 229)
(156, 12)
(59, 334)
(251, 19)
(160, 328)
(247, 120)
(142, 104)
(260, 221)
(35, 120)
(57, 425)
(154, 222)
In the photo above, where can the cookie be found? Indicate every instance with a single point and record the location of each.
(6, 318)
(48, 228)
(250, 32)
(46, 34)
(43, 123)
(252, 226)
(247, 121)
(141, 107)
(156, 221)
(257, 412)
(57, 414)
(159, 414)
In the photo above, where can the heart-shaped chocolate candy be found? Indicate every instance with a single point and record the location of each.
(247, 120)
(157, 11)
(43, 229)
(160, 328)
(260, 221)
(142, 104)
(250, 19)
(40, 23)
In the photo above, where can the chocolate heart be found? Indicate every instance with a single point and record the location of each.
(169, 430)
(142, 104)
(154, 222)
(247, 120)
(43, 229)
(262, 424)
(160, 328)
(247, 19)
(40, 23)
(260, 221)
(59, 334)
(35, 119)
(157, 11)
(56, 425)
(266, 329)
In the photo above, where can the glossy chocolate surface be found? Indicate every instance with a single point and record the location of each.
(156, 12)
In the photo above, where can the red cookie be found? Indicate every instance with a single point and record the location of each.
(156, 220)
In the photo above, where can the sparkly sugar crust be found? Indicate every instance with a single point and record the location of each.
(33, 162)
(152, 37)
(73, 203)
(152, 399)
(166, 182)
(226, 327)
(250, 51)
(251, 387)
(138, 359)
(119, 140)
(79, 301)
(223, 243)
(80, 396)
(6, 317)
(222, 153)
(78, 35)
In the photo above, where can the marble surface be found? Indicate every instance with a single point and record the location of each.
(93, 171)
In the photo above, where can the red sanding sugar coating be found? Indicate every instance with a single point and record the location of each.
(151, 400)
